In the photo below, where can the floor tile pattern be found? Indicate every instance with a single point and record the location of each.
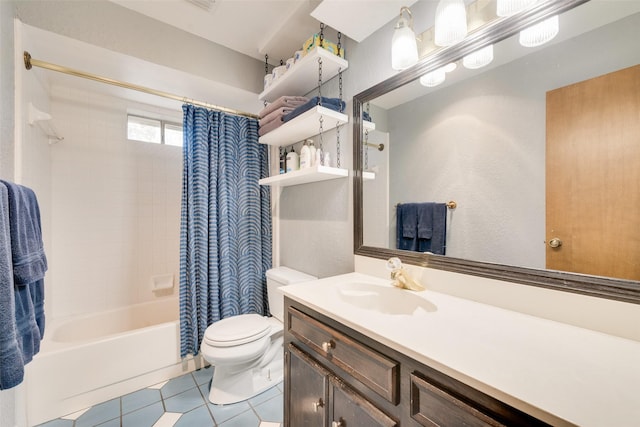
(180, 402)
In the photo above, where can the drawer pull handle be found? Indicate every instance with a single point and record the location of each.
(317, 405)
(337, 424)
(327, 346)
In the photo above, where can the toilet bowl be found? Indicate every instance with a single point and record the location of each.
(246, 350)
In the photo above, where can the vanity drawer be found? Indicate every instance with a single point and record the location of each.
(368, 366)
(433, 406)
(452, 403)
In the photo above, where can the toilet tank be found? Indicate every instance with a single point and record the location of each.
(282, 276)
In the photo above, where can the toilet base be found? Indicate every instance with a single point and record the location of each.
(227, 388)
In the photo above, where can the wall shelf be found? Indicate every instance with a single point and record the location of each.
(305, 176)
(302, 77)
(303, 126)
(368, 125)
(368, 176)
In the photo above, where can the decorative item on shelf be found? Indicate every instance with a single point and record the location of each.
(451, 22)
(319, 40)
(404, 48)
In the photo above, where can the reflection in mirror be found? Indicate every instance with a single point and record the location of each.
(491, 139)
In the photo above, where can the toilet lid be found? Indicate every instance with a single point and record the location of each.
(237, 330)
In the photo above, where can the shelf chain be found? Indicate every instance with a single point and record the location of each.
(341, 109)
(266, 71)
(320, 119)
(366, 142)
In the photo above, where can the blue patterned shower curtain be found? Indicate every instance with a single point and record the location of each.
(225, 230)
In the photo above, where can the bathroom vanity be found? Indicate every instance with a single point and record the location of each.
(359, 352)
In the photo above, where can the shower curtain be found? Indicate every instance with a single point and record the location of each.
(225, 230)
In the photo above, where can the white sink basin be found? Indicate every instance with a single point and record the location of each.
(383, 299)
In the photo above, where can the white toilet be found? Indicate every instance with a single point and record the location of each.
(246, 350)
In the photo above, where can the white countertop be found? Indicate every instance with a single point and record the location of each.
(554, 371)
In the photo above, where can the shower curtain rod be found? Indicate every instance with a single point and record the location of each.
(29, 62)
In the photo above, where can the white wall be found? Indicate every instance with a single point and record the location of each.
(106, 24)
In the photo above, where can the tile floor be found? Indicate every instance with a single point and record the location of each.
(180, 402)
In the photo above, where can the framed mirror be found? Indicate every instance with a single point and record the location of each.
(491, 139)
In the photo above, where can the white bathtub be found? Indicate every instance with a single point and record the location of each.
(90, 359)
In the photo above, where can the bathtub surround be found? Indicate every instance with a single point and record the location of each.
(225, 232)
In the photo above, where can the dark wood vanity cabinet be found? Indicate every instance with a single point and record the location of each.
(319, 398)
(336, 377)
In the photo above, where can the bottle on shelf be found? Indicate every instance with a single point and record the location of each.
(312, 151)
(326, 159)
(305, 156)
(318, 161)
(283, 160)
(293, 162)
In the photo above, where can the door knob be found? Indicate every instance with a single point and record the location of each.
(317, 405)
(555, 242)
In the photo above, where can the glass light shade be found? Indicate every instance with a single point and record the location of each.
(511, 7)
(479, 58)
(451, 22)
(434, 78)
(451, 66)
(404, 48)
(540, 33)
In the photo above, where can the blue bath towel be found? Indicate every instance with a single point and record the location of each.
(11, 362)
(425, 220)
(29, 267)
(332, 103)
(432, 227)
(29, 260)
(407, 226)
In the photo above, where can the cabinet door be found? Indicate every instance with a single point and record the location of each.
(307, 392)
(352, 410)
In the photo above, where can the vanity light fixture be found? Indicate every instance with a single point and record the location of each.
(434, 78)
(451, 22)
(511, 7)
(451, 66)
(479, 58)
(404, 48)
(540, 33)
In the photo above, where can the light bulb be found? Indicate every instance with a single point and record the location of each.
(540, 33)
(404, 48)
(434, 78)
(511, 7)
(479, 58)
(451, 22)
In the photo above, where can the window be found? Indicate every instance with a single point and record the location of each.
(156, 131)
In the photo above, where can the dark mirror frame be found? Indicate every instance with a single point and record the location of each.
(596, 286)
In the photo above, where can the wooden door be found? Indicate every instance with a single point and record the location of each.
(593, 176)
(308, 391)
(349, 409)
